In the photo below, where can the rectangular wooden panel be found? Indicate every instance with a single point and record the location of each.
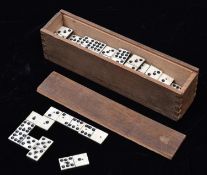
(121, 79)
(112, 115)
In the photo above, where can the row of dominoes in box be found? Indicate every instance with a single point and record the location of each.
(38, 147)
(120, 55)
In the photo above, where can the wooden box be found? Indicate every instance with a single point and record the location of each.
(136, 86)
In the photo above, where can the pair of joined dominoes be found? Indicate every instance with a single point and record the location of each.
(157, 74)
(77, 125)
(36, 147)
(121, 56)
(87, 42)
(73, 161)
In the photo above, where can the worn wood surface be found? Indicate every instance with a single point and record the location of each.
(131, 84)
(112, 115)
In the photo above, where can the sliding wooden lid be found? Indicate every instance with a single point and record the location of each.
(112, 115)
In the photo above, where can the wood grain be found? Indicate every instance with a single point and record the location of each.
(112, 115)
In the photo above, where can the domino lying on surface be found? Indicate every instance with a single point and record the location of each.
(119, 55)
(73, 161)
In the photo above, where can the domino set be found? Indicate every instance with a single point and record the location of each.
(37, 148)
(120, 55)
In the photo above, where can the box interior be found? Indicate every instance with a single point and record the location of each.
(181, 74)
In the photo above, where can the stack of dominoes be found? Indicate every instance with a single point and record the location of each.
(119, 55)
(37, 148)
